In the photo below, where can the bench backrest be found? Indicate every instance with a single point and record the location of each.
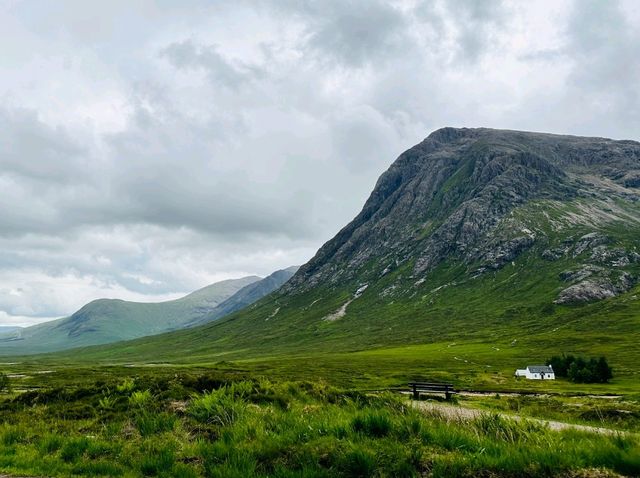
(431, 385)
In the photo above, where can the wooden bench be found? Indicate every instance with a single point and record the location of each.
(430, 387)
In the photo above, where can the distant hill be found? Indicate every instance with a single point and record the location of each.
(510, 242)
(9, 328)
(110, 320)
(247, 295)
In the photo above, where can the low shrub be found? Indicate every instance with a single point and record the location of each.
(107, 403)
(5, 383)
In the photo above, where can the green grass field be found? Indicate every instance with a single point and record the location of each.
(311, 403)
(176, 423)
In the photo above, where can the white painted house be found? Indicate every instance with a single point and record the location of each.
(537, 372)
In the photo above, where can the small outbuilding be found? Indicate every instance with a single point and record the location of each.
(537, 372)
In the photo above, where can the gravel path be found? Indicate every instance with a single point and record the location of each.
(458, 413)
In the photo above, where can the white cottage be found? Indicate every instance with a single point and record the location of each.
(537, 372)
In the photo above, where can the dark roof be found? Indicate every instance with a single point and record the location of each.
(540, 369)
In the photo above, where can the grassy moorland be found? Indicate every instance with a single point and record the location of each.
(472, 329)
(195, 403)
(189, 425)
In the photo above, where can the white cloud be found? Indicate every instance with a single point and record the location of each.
(149, 150)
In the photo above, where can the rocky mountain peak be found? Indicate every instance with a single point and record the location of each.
(482, 197)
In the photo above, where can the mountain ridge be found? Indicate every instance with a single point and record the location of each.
(111, 320)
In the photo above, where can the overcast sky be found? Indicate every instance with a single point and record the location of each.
(151, 148)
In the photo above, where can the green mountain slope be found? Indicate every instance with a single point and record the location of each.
(110, 320)
(477, 248)
(247, 295)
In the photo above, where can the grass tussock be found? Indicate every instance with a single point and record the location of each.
(257, 428)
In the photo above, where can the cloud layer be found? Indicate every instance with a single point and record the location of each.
(149, 151)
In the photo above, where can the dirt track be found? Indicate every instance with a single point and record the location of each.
(458, 413)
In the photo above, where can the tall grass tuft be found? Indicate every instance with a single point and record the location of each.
(50, 443)
(222, 406)
(149, 423)
(372, 423)
(358, 463)
(497, 427)
(73, 449)
(157, 462)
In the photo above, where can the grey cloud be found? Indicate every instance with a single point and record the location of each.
(355, 33)
(475, 22)
(30, 148)
(187, 55)
(236, 137)
(605, 48)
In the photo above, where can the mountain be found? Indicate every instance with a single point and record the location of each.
(111, 320)
(523, 243)
(482, 198)
(9, 328)
(247, 295)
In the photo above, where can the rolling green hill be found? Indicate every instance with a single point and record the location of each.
(479, 251)
(109, 320)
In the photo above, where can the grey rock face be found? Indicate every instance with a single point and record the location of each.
(594, 283)
(552, 254)
(631, 179)
(507, 251)
(589, 241)
(580, 274)
(596, 289)
(586, 291)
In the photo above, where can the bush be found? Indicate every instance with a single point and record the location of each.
(580, 370)
(5, 385)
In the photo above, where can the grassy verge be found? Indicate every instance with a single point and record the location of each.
(211, 425)
(620, 413)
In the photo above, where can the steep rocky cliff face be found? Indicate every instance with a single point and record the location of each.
(482, 198)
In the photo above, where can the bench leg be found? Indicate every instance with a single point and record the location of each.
(447, 396)
(416, 395)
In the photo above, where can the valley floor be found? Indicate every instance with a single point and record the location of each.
(184, 422)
